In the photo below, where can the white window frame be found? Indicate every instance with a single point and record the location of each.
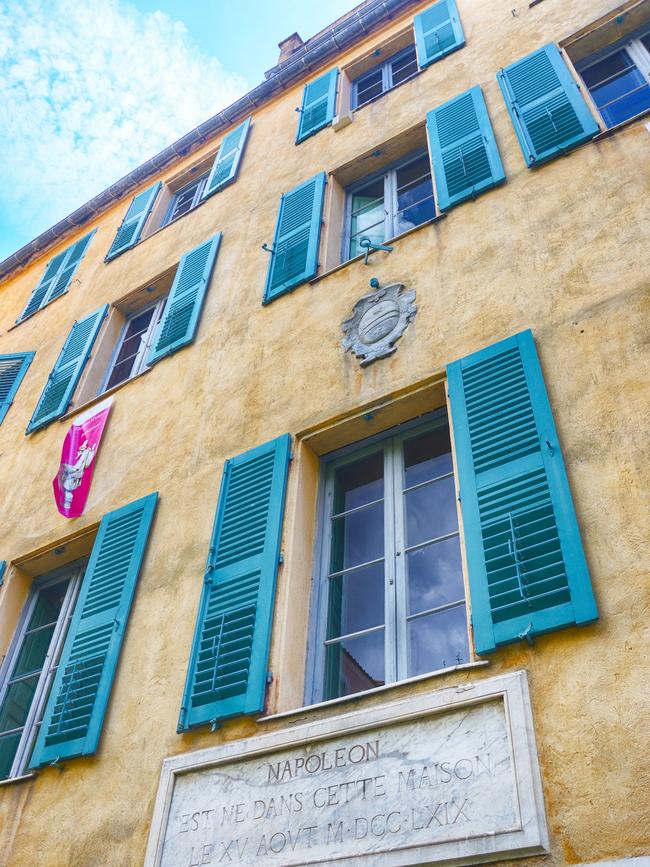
(147, 340)
(196, 199)
(35, 716)
(396, 615)
(386, 67)
(639, 55)
(389, 175)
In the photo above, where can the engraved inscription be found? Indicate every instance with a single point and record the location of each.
(413, 783)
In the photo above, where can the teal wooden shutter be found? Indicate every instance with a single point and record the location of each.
(545, 104)
(3, 569)
(129, 232)
(56, 279)
(12, 370)
(65, 374)
(180, 319)
(527, 569)
(318, 105)
(77, 703)
(464, 152)
(226, 164)
(294, 257)
(438, 32)
(228, 663)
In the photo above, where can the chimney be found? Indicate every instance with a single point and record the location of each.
(288, 46)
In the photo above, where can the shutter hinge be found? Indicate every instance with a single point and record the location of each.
(550, 448)
(214, 724)
(55, 763)
(281, 557)
(267, 249)
(207, 577)
(269, 678)
(526, 636)
(290, 456)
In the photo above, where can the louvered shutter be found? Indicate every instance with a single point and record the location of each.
(180, 319)
(527, 569)
(464, 152)
(318, 105)
(65, 374)
(228, 662)
(438, 32)
(129, 232)
(548, 112)
(226, 164)
(294, 258)
(57, 276)
(77, 703)
(3, 569)
(12, 370)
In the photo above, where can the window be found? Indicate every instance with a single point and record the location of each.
(29, 667)
(187, 198)
(387, 75)
(619, 83)
(391, 589)
(389, 204)
(135, 342)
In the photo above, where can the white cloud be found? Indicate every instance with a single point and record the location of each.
(88, 91)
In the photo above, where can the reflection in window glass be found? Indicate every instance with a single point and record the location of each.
(619, 84)
(383, 77)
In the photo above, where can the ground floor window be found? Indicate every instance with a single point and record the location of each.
(391, 591)
(28, 669)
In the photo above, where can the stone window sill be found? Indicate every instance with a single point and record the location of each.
(30, 776)
(347, 262)
(624, 123)
(357, 696)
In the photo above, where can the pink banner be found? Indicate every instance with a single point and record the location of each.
(78, 455)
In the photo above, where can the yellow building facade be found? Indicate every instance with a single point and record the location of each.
(342, 383)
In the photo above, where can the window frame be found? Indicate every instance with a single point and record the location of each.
(74, 572)
(197, 198)
(386, 67)
(395, 581)
(389, 174)
(139, 364)
(638, 53)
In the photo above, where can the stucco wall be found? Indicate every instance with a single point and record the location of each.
(561, 250)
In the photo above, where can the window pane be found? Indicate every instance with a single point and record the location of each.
(414, 195)
(434, 575)
(646, 42)
(427, 456)
(356, 601)
(32, 653)
(359, 483)
(357, 538)
(48, 605)
(368, 86)
(185, 199)
(8, 748)
(430, 511)
(618, 88)
(368, 215)
(18, 700)
(354, 664)
(404, 66)
(125, 361)
(438, 641)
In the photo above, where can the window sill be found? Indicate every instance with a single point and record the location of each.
(347, 262)
(36, 312)
(357, 696)
(614, 129)
(12, 780)
(100, 397)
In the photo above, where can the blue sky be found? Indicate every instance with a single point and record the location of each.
(89, 89)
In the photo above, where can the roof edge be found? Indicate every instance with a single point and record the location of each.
(343, 33)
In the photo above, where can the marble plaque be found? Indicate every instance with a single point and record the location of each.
(442, 777)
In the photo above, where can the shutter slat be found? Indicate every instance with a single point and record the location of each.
(527, 569)
(65, 374)
(129, 232)
(297, 236)
(180, 320)
(438, 32)
(226, 164)
(79, 696)
(464, 152)
(12, 370)
(318, 105)
(547, 109)
(57, 277)
(228, 663)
